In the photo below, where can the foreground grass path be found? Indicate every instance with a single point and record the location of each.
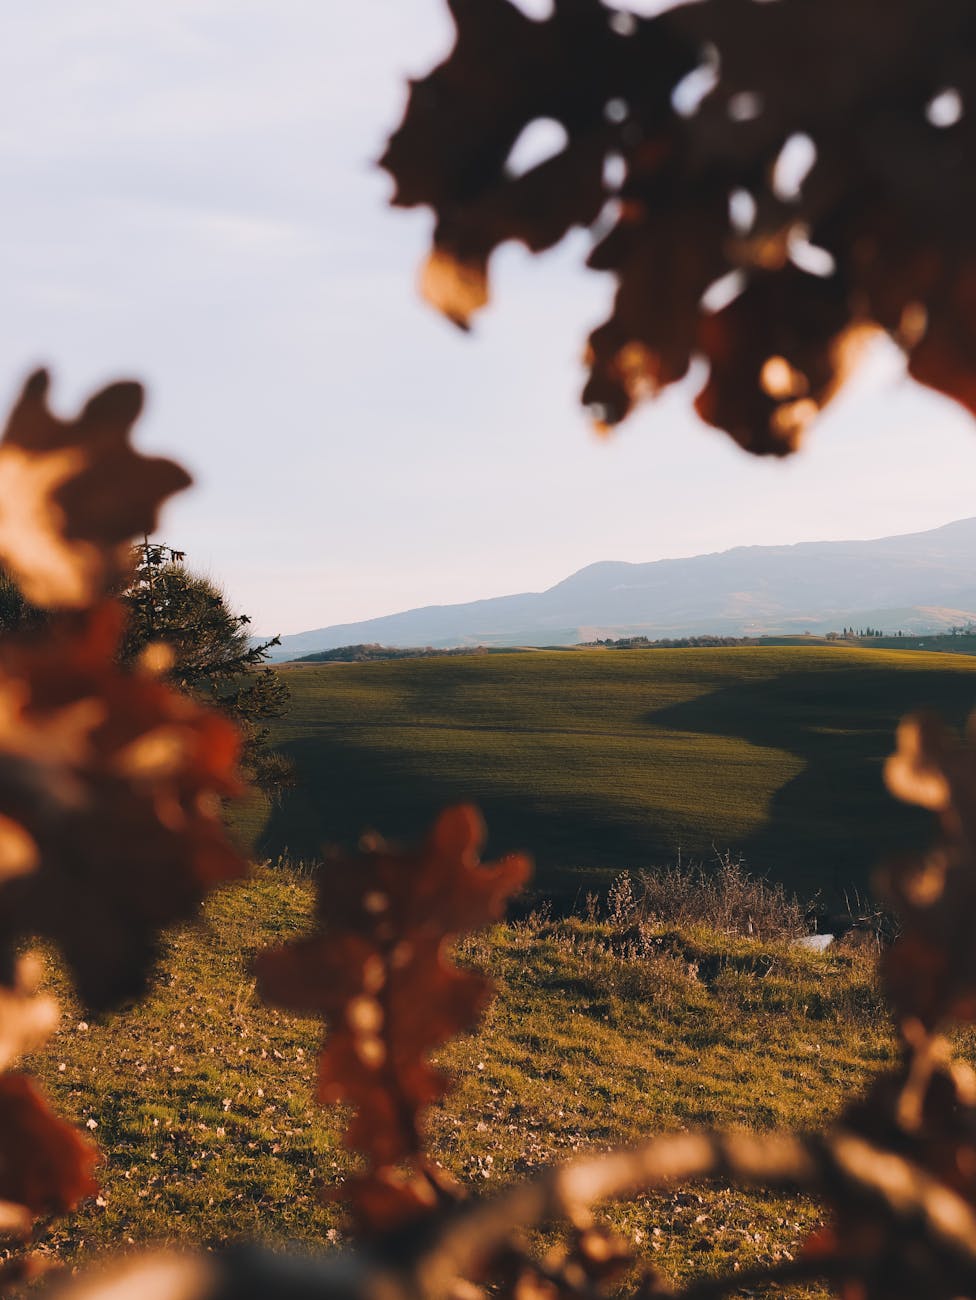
(613, 760)
(201, 1099)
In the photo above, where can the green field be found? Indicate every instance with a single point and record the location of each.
(962, 643)
(597, 761)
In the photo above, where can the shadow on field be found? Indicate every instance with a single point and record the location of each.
(828, 827)
(390, 767)
(574, 847)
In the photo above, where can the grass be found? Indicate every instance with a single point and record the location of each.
(960, 643)
(647, 1012)
(617, 760)
(601, 1032)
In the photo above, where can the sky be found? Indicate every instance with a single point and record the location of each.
(190, 198)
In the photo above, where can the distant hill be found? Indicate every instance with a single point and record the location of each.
(921, 582)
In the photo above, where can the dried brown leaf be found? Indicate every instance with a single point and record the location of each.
(694, 185)
(117, 779)
(379, 970)
(74, 493)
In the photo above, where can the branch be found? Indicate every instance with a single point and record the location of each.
(569, 1192)
(427, 1263)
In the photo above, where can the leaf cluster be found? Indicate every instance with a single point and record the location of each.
(766, 183)
(111, 778)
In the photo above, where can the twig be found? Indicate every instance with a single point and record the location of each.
(463, 1243)
(838, 1164)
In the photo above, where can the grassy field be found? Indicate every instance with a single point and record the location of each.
(963, 643)
(596, 761)
(200, 1098)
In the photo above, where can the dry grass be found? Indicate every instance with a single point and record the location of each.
(723, 897)
(603, 1031)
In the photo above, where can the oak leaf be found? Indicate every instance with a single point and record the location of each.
(116, 778)
(379, 970)
(74, 493)
(811, 157)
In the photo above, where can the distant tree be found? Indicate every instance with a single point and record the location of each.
(214, 656)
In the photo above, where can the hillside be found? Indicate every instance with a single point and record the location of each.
(593, 1039)
(597, 761)
(920, 582)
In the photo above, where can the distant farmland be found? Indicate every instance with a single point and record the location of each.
(598, 761)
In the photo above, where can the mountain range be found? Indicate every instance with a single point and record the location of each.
(918, 582)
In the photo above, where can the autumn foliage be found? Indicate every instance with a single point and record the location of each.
(111, 781)
(380, 972)
(75, 494)
(679, 130)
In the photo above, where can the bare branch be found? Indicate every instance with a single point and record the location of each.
(461, 1245)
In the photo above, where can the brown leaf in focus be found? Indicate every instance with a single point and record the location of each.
(74, 493)
(116, 777)
(693, 179)
(379, 971)
(45, 1165)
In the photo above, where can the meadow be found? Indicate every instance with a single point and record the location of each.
(635, 1013)
(599, 761)
(602, 1031)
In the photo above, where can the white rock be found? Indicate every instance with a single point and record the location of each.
(814, 942)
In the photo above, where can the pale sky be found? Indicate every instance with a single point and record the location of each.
(188, 199)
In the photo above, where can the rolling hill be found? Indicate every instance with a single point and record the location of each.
(597, 761)
(920, 582)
